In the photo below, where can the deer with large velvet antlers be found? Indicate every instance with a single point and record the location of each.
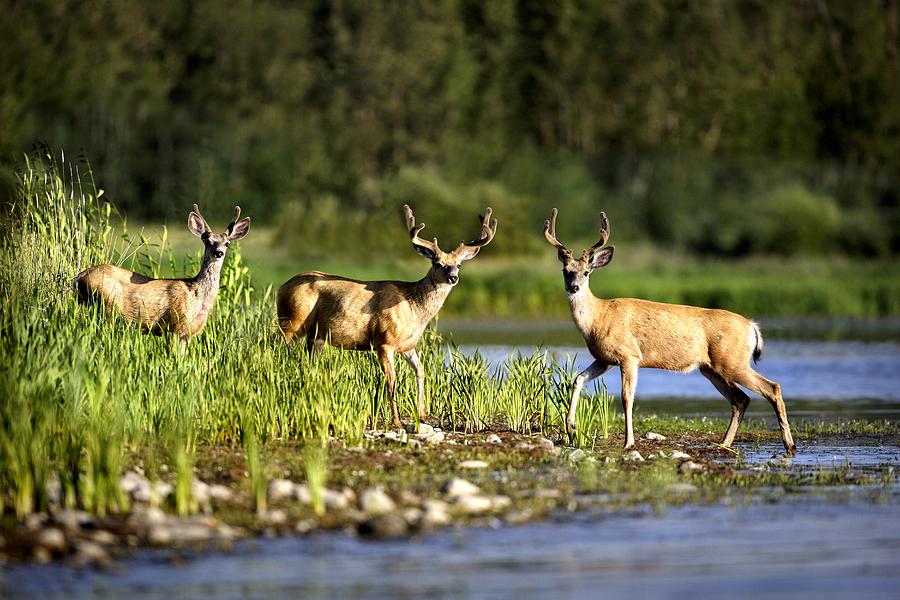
(631, 333)
(165, 306)
(388, 317)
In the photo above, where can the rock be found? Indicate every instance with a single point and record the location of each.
(302, 493)
(412, 515)
(545, 444)
(282, 489)
(662, 454)
(407, 497)
(337, 501)
(424, 429)
(679, 455)
(436, 438)
(633, 456)
(90, 553)
(154, 492)
(383, 526)
(397, 436)
(130, 482)
(72, 520)
(51, 539)
(473, 505)
(305, 526)
(104, 537)
(436, 513)
(459, 488)
(652, 457)
(493, 439)
(159, 535)
(275, 516)
(576, 456)
(681, 488)
(375, 502)
(689, 467)
(547, 494)
(35, 521)
(500, 502)
(654, 437)
(473, 464)
(220, 493)
(200, 491)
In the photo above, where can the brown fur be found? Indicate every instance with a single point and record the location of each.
(179, 307)
(631, 333)
(385, 316)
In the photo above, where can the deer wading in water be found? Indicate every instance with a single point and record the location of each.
(388, 317)
(179, 307)
(632, 333)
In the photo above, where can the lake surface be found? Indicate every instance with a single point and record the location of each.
(836, 542)
(818, 379)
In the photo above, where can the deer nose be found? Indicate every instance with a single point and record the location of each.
(219, 254)
(452, 279)
(573, 288)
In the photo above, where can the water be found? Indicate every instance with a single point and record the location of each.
(845, 543)
(839, 541)
(818, 379)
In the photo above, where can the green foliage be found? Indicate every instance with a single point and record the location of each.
(689, 123)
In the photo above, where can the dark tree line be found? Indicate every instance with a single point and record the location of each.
(683, 116)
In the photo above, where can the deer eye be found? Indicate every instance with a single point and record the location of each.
(586, 273)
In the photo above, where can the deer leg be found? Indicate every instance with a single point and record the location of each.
(386, 358)
(629, 385)
(771, 391)
(413, 359)
(593, 371)
(738, 399)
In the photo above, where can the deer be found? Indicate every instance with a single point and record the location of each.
(388, 317)
(632, 333)
(177, 307)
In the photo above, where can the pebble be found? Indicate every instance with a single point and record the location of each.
(412, 515)
(679, 455)
(337, 501)
(689, 467)
(547, 494)
(383, 526)
(220, 493)
(473, 505)
(200, 491)
(282, 489)
(473, 464)
(545, 444)
(436, 438)
(90, 553)
(459, 488)
(376, 502)
(577, 455)
(654, 437)
(51, 539)
(72, 520)
(633, 456)
(493, 439)
(275, 516)
(397, 436)
(305, 526)
(436, 513)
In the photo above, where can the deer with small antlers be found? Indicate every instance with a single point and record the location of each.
(388, 317)
(634, 333)
(165, 306)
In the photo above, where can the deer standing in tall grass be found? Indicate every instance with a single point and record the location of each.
(634, 333)
(388, 317)
(165, 306)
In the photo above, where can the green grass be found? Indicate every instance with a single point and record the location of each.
(81, 386)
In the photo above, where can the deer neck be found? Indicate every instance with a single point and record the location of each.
(585, 307)
(206, 283)
(429, 294)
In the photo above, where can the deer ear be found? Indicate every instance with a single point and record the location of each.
(426, 252)
(240, 229)
(601, 257)
(468, 252)
(196, 224)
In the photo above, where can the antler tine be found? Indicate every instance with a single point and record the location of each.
(550, 231)
(415, 229)
(488, 229)
(604, 231)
